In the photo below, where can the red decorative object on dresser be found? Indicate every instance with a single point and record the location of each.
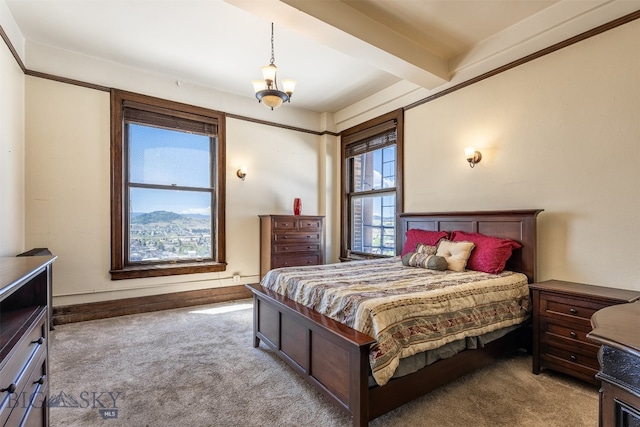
(297, 206)
(335, 358)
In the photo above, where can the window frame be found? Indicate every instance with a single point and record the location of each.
(119, 168)
(353, 136)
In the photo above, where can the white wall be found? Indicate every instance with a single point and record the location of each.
(68, 196)
(12, 172)
(561, 133)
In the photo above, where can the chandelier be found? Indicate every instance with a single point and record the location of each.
(267, 90)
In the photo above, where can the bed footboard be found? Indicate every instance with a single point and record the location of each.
(332, 356)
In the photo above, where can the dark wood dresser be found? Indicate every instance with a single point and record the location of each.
(561, 321)
(24, 340)
(290, 240)
(618, 330)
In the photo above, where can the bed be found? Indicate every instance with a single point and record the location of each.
(336, 358)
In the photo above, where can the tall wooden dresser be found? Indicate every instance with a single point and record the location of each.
(290, 240)
(24, 340)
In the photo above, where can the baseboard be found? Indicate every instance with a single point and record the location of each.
(121, 307)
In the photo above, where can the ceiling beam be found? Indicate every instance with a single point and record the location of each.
(337, 25)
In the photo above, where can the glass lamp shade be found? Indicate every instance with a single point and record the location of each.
(269, 73)
(272, 101)
(288, 85)
(258, 85)
(469, 152)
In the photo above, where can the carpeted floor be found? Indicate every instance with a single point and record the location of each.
(197, 367)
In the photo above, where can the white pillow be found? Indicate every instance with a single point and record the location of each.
(456, 253)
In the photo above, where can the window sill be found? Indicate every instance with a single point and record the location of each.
(141, 271)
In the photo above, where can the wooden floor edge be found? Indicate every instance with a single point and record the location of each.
(121, 307)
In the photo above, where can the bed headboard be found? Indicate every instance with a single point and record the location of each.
(516, 225)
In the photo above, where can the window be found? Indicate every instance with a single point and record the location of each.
(167, 201)
(371, 186)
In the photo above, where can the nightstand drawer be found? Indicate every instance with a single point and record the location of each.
(574, 332)
(571, 356)
(293, 261)
(569, 308)
(549, 340)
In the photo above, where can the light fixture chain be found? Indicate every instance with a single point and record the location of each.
(273, 59)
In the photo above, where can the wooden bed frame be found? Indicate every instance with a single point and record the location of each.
(335, 358)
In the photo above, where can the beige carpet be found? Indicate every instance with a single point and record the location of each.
(197, 367)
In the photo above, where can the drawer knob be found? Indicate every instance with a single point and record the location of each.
(286, 264)
(285, 237)
(286, 248)
(573, 311)
(308, 262)
(573, 334)
(10, 389)
(38, 341)
(573, 358)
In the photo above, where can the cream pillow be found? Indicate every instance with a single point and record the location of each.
(456, 253)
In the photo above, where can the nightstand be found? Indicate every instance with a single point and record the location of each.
(561, 320)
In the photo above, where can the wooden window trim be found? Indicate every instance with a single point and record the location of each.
(119, 270)
(351, 136)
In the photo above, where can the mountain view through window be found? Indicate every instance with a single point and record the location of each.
(170, 195)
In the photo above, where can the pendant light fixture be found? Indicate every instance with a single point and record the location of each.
(267, 90)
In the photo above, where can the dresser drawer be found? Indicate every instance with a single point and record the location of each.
(573, 309)
(296, 237)
(29, 406)
(290, 224)
(25, 350)
(296, 248)
(310, 224)
(293, 261)
(16, 374)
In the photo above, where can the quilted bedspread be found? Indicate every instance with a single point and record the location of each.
(407, 310)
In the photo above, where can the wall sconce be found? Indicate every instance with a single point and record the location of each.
(242, 172)
(472, 156)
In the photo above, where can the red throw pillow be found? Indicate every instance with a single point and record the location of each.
(490, 254)
(415, 236)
